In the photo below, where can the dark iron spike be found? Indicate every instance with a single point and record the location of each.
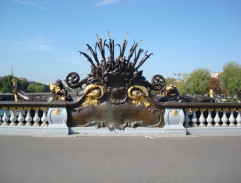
(107, 46)
(137, 57)
(119, 47)
(96, 45)
(123, 48)
(94, 54)
(143, 60)
(88, 58)
(132, 51)
(103, 50)
(102, 45)
(113, 49)
(100, 49)
(124, 45)
(110, 49)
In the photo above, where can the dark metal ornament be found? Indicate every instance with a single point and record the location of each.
(116, 95)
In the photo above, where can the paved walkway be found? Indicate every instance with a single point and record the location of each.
(120, 159)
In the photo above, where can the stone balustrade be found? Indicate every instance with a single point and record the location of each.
(24, 116)
(28, 118)
(42, 118)
(210, 118)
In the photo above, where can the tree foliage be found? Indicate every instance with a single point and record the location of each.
(183, 85)
(170, 80)
(6, 85)
(215, 85)
(37, 87)
(199, 81)
(231, 78)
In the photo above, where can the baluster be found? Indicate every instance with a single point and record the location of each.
(238, 119)
(224, 118)
(231, 117)
(20, 116)
(44, 117)
(36, 118)
(12, 117)
(201, 118)
(217, 118)
(187, 119)
(28, 118)
(5, 117)
(194, 118)
(209, 118)
(0, 120)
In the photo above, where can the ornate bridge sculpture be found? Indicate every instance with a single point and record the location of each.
(116, 94)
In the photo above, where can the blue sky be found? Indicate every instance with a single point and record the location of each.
(40, 39)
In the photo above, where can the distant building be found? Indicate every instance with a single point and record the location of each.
(215, 74)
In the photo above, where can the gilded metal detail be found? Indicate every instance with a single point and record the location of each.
(20, 108)
(187, 109)
(93, 94)
(138, 95)
(36, 108)
(174, 112)
(4, 108)
(44, 108)
(210, 109)
(226, 109)
(55, 89)
(15, 86)
(211, 93)
(194, 109)
(57, 111)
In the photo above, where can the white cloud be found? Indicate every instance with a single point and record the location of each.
(28, 3)
(37, 44)
(106, 2)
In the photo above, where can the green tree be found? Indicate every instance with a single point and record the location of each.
(22, 85)
(37, 87)
(170, 80)
(6, 84)
(183, 85)
(231, 78)
(199, 81)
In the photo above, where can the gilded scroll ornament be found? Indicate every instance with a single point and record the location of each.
(138, 95)
(93, 94)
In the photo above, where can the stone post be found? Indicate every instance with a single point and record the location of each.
(174, 119)
(57, 119)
